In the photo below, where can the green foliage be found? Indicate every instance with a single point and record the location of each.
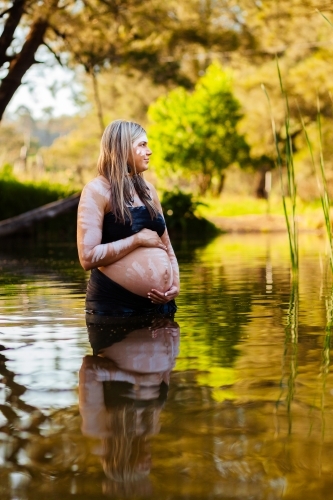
(138, 54)
(195, 134)
(18, 197)
(292, 185)
(6, 172)
(179, 204)
(180, 215)
(152, 37)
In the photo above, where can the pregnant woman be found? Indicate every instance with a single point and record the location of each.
(122, 237)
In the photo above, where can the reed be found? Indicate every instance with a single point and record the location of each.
(325, 202)
(324, 194)
(325, 17)
(319, 172)
(292, 337)
(290, 352)
(328, 333)
(326, 355)
(290, 216)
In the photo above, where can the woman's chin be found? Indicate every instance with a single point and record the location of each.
(141, 168)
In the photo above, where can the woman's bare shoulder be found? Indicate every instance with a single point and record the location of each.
(98, 185)
(96, 195)
(149, 184)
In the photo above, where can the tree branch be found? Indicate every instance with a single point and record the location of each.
(4, 12)
(21, 63)
(54, 53)
(68, 45)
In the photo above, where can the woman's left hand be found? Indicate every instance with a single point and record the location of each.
(162, 298)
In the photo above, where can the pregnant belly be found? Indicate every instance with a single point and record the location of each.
(142, 270)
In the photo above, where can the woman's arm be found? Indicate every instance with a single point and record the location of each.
(173, 292)
(94, 203)
(173, 259)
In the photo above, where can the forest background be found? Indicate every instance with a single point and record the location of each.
(192, 72)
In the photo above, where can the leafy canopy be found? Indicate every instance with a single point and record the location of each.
(195, 133)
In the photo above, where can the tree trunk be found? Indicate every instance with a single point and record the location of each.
(220, 185)
(14, 224)
(12, 21)
(260, 190)
(204, 183)
(21, 63)
(98, 101)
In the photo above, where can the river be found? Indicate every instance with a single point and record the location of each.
(231, 399)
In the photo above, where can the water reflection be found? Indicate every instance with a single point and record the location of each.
(122, 389)
(248, 411)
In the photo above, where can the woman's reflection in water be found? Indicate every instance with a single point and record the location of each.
(123, 387)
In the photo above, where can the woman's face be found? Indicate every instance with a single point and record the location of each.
(140, 154)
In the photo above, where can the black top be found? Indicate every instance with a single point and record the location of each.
(114, 231)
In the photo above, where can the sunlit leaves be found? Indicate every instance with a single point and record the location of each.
(195, 133)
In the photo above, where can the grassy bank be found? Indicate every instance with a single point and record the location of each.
(236, 205)
(17, 197)
(249, 213)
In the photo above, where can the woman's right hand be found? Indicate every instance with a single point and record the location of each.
(148, 238)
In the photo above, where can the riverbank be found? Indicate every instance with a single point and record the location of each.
(266, 223)
(245, 214)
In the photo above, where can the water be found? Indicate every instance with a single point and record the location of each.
(240, 408)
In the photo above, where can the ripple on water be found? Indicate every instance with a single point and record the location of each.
(250, 403)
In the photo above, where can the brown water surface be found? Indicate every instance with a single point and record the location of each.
(233, 400)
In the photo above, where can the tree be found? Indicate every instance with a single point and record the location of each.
(301, 38)
(196, 133)
(163, 44)
(99, 34)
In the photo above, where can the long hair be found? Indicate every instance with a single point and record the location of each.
(125, 449)
(115, 149)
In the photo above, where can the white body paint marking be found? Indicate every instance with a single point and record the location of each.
(120, 245)
(139, 269)
(99, 253)
(155, 274)
(141, 138)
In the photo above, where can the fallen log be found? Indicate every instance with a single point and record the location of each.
(14, 224)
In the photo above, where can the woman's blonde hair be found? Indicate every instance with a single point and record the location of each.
(115, 150)
(124, 450)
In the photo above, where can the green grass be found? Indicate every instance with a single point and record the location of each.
(18, 197)
(233, 205)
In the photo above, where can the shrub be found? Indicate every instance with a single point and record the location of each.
(18, 197)
(179, 211)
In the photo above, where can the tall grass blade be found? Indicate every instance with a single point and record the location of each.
(325, 199)
(290, 354)
(291, 220)
(321, 180)
(326, 18)
(326, 354)
(292, 187)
